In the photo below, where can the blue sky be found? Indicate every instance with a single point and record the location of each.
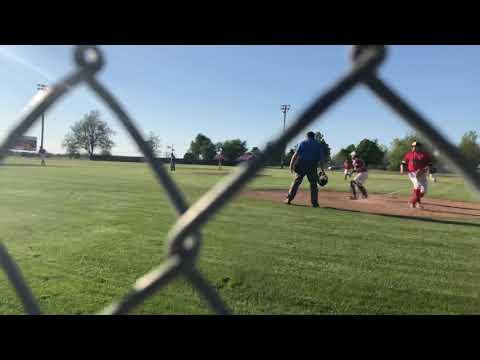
(230, 92)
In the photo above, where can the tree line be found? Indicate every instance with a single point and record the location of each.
(91, 134)
(390, 158)
(202, 148)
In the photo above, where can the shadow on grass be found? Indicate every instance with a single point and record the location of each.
(450, 206)
(405, 217)
(222, 173)
(453, 213)
(398, 200)
(301, 205)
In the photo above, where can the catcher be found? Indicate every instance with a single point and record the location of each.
(360, 168)
(418, 163)
(305, 161)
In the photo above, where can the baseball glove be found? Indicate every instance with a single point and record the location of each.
(322, 178)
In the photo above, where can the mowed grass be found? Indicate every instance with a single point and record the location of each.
(83, 231)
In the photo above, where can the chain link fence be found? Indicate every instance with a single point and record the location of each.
(184, 238)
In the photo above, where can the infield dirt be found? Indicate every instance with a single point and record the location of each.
(377, 204)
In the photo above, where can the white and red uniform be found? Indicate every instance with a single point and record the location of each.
(361, 169)
(417, 163)
(347, 167)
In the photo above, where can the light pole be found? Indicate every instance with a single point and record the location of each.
(42, 87)
(284, 108)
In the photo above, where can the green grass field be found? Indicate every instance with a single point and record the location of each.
(83, 231)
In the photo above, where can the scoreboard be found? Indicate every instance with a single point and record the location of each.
(26, 143)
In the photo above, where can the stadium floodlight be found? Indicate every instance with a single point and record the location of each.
(284, 108)
(42, 87)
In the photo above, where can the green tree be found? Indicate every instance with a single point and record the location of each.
(89, 134)
(188, 157)
(344, 154)
(218, 147)
(202, 148)
(370, 151)
(71, 146)
(153, 142)
(321, 139)
(232, 149)
(470, 148)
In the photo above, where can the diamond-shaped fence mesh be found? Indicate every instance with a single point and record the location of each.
(184, 238)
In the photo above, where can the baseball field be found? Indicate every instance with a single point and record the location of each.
(83, 231)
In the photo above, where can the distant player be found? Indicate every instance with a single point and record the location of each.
(220, 157)
(360, 168)
(173, 160)
(42, 153)
(305, 161)
(347, 168)
(418, 163)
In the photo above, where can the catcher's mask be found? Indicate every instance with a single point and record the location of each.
(322, 178)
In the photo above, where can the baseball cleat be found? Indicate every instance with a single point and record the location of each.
(287, 201)
(315, 205)
(411, 205)
(353, 198)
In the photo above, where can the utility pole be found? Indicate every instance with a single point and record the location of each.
(284, 108)
(42, 87)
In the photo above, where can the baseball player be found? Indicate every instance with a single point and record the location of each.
(173, 160)
(418, 163)
(347, 168)
(42, 152)
(305, 161)
(360, 168)
(220, 159)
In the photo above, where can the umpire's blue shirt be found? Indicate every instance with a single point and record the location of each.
(310, 152)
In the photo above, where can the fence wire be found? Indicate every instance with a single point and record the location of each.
(184, 238)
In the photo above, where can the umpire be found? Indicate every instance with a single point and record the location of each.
(305, 161)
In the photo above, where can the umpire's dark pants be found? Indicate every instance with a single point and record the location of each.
(312, 177)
